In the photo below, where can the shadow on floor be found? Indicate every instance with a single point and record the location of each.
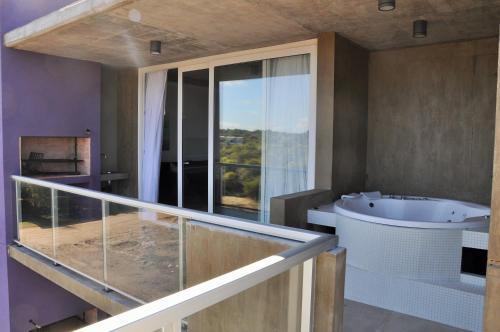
(359, 317)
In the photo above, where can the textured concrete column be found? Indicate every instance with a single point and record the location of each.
(324, 113)
(492, 301)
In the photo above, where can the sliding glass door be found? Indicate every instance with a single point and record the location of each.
(243, 132)
(239, 91)
(261, 141)
(194, 179)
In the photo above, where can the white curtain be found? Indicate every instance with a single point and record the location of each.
(154, 105)
(286, 128)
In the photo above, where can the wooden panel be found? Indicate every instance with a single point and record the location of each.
(492, 301)
(330, 280)
(270, 306)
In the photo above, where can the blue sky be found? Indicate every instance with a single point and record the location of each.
(241, 104)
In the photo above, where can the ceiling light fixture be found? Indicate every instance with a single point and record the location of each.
(419, 29)
(386, 5)
(155, 47)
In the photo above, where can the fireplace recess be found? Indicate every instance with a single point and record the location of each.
(51, 157)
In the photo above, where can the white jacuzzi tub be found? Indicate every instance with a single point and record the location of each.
(411, 211)
(418, 238)
(404, 254)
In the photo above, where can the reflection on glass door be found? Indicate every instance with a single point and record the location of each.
(238, 105)
(261, 134)
(195, 139)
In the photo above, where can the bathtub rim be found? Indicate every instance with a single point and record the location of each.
(468, 223)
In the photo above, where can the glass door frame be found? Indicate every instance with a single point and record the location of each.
(290, 49)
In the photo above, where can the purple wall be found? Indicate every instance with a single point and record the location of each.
(40, 96)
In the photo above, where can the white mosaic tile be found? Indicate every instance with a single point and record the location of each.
(454, 304)
(475, 239)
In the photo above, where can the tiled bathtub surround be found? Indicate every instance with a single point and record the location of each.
(410, 270)
(456, 304)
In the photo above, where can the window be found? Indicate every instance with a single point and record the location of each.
(247, 125)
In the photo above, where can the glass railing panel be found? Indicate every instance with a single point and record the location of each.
(272, 305)
(143, 252)
(78, 235)
(35, 220)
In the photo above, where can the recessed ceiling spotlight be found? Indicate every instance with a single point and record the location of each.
(386, 5)
(419, 29)
(155, 47)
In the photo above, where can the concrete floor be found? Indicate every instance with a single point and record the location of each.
(359, 317)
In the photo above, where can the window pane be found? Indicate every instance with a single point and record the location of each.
(195, 139)
(261, 134)
(239, 113)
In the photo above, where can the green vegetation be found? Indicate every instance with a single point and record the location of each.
(240, 159)
(240, 155)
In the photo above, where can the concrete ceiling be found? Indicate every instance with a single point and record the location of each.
(102, 30)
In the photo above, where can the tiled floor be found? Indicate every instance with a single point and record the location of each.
(359, 317)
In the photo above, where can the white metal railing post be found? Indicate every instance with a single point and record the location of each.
(18, 210)
(306, 321)
(55, 221)
(105, 215)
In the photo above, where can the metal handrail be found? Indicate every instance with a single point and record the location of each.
(171, 309)
(225, 221)
(160, 313)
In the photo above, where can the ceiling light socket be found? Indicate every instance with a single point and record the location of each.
(155, 47)
(419, 29)
(386, 5)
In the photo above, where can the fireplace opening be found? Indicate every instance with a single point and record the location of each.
(44, 157)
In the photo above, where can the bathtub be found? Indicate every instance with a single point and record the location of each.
(418, 238)
(404, 254)
(412, 211)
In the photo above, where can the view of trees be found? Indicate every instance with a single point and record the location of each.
(240, 159)
(240, 162)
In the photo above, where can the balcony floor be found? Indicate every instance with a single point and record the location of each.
(359, 317)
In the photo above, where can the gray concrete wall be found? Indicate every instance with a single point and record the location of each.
(119, 126)
(108, 119)
(324, 110)
(350, 117)
(492, 300)
(342, 103)
(431, 120)
(291, 210)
